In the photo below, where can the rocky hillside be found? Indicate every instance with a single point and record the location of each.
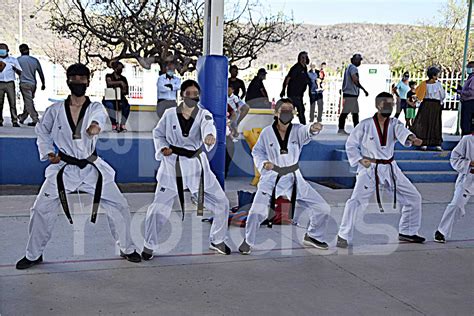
(335, 44)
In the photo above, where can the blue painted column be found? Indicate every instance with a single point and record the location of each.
(212, 77)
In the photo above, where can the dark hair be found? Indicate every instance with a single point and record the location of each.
(301, 54)
(23, 47)
(433, 71)
(323, 63)
(406, 74)
(233, 67)
(471, 62)
(283, 101)
(115, 64)
(189, 83)
(381, 96)
(78, 70)
(411, 83)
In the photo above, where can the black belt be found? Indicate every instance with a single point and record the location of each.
(179, 151)
(377, 181)
(472, 171)
(81, 163)
(283, 171)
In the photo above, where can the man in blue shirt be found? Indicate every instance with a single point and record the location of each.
(167, 86)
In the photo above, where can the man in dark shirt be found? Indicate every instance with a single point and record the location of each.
(296, 81)
(116, 80)
(236, 83)
(257, 96)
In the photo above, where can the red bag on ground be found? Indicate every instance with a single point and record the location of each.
(282, 212)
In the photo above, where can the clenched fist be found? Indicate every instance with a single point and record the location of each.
(365, 162)
(316, 127)
(268, 166)
(93, 129)
(166, 151)
(53, 158)
(210, 140)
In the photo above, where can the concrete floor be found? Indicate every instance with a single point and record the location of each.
(84, 275)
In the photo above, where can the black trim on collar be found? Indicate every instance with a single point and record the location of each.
(382, 134)
(282, 142)
(186, 124)
(76, 129)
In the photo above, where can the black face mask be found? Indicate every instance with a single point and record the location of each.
(387, 111)
(307, 60)
(191, 102)
(286, 117)
(77, 89)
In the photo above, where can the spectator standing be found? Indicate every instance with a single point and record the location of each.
(428, 124)
(315, 93)
(30, 66)
(322, 73)
(401, 91)
(350, 93)
(237, 84)
(168, 85)
(9, 66)
(117, 80)
(257, 96)
(412, 102)
(295, 84)
(467, 100)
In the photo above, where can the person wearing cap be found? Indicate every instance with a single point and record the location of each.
(257, 96)
(296, 81)
(428, 123)
(30, 66)
(9, 66)
(462, 160)
(350, 93)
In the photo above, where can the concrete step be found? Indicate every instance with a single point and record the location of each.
(424, 165)
(431, 176)
(340, 154)
(414, 176)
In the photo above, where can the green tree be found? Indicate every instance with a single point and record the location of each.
(439, 41)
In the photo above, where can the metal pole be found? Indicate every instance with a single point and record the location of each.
(464, 60)
(20, 22)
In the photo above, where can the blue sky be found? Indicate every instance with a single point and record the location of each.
(371, 11)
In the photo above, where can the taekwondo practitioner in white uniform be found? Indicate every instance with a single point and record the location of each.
(276, 155)
(178, 138)
(462, 160)
(67, 137)
(370, 147)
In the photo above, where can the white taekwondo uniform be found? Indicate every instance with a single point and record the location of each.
(57, 130)
(369, 140)
(461, 158)
(284, 154)
(173, 131)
